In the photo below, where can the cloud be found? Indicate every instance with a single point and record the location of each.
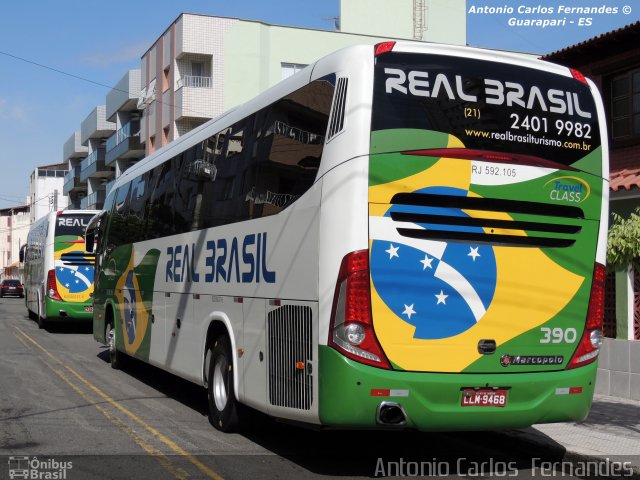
(13, 112)
(111, 56)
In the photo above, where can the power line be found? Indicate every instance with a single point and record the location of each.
(88, 80)
(62, 72)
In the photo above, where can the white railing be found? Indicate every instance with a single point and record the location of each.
(195, 82)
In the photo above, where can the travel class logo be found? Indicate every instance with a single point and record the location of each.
(568, 189)
(442, 292)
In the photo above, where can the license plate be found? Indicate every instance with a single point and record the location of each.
(12, 288)
(484, 397)
(88, 309)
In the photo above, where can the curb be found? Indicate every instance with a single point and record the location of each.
(606, 468)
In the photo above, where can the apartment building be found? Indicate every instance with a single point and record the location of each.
(202, 65)
(46, 190)
(123, 147)
(14, 227)
(73, 153)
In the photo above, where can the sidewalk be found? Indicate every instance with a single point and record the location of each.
(611, 433)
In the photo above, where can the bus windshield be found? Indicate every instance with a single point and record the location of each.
(488, 106)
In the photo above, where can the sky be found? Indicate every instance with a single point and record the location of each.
(58, 60)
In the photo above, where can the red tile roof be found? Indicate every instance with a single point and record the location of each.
(628, 178)
(628, 32)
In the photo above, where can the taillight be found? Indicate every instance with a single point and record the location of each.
(351, 331)
(384, 47)
(589, 346)
(578, 76)
(52, 286)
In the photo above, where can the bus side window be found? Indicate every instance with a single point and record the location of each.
(221, 200)
(290, 149)
(160, 218)
(118, 230)
(137, 211)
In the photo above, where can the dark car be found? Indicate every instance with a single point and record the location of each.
(11, 287)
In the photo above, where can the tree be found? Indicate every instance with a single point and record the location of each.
(624, 241)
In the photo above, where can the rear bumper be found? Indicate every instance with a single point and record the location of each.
(432, 401)
(72, 311)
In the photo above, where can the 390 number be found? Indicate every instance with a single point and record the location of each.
(558, 335)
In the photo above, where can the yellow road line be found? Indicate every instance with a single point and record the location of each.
(177, 472)
(168, 442)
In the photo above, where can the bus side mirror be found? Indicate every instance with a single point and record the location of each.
(89, 239)
(23, 248)
(92, 232)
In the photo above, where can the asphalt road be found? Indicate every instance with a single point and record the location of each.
(64, 411)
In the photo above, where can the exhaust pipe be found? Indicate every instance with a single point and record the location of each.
(391, 413)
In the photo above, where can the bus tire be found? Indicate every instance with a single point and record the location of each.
(115, 357)
(223, 406)
(38, 315)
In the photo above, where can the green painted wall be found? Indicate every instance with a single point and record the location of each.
(254, 53)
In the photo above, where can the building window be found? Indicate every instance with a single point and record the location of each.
(288, 69)
(165, 79)
(197, 69)
(625, 105)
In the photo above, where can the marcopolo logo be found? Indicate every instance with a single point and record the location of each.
(520, 360)
(568, 189)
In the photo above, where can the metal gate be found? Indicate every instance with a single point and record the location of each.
(609, 326)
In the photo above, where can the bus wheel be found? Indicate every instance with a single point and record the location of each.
(223, 406)
(115, 357)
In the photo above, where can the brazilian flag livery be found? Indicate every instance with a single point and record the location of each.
(74, 269)
(134, 295)
(485, 192)
(434, 300)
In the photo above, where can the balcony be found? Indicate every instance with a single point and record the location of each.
(94, 201)
(93, 166)
(123, 97)
(96, 125)
(72, 182)
(194, 82)
(125, 143)
(198, 103)
(73, 148)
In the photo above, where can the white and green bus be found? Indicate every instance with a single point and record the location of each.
(408, 235)
(58, 272)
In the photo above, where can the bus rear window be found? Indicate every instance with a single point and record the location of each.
(73, 225)
(487, 105)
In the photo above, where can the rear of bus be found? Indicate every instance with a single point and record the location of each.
(69, 283)
(478, 301)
